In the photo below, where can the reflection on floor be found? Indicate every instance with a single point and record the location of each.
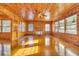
(5, 49)
(48, 51)
(34, 42)
(26, 51)
(34, 49)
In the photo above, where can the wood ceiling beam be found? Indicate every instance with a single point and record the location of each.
(9, 13)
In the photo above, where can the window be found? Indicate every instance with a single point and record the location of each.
(30, 27)
(47, 27)
(61, 27)
(30, 15)
(6, 26)
(31, 41)
(56, 27)
(71, 24)
(22, 27)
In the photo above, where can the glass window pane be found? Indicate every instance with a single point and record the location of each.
(21, 27)
(30, 27)
(71, 24)
(61, 28)
(6, 23)
(6, 26)
(47, 27)
(6, 29)
(56, 27)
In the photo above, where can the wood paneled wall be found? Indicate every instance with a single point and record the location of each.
(69, 38)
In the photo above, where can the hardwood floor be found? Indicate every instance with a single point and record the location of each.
(37, 49)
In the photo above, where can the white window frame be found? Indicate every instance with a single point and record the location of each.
(61, 27)
(47, 27)
(22, 27)
(6, 26)
(71, 28)
(56, 26)
(30, 27)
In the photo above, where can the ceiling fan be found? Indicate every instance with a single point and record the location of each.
(41, 14)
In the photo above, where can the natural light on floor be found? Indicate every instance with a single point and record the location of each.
(27, 51)
(34, 42)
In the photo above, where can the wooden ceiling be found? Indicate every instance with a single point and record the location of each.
(55, 9)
